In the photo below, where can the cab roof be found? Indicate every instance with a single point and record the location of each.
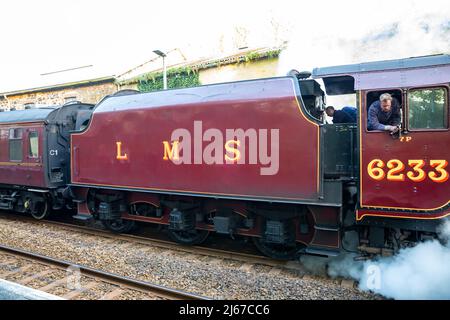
(408, 72)
(414, 62)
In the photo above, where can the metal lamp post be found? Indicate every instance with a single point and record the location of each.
(163, 56)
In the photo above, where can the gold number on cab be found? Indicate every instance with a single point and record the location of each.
(417, 166)
(376, 173)
(439, 166)
(396, 167)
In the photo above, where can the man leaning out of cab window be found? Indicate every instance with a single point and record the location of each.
(384, 114)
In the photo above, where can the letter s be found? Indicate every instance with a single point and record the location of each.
(230, 149)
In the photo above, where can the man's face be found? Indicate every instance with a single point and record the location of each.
(386, 105)
(330, 112)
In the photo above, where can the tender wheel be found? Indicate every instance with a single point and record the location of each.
(191, 237)
(278, 251)
(119, 225)
(40, 210)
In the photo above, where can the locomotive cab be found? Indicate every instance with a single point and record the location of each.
(403, 180)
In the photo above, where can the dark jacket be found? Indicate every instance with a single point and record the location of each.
(352, 111)
(340, 116)
(378, 119)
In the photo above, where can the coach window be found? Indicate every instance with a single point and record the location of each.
(33, 142)
(427, 109)
(15, 145)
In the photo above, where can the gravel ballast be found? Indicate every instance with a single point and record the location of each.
(218, 279)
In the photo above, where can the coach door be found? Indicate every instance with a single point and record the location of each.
(32, 156)
(408, 172)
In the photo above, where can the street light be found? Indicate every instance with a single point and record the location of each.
(163, 56)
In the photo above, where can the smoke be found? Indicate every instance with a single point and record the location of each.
(383, 30)
(420, 272)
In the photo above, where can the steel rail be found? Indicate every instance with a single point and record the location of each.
(158, 290)
(217, 253)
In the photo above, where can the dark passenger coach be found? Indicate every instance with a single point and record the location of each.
(35, 158)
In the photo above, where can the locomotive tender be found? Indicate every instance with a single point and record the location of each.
(249, 158)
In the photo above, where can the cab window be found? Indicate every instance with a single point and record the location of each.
(15, 145)
(373, 96)
(33, 142)
(427, 109)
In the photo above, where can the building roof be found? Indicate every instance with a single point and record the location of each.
(29, 115)
(243, 55)
(407, 63)
(59, 86)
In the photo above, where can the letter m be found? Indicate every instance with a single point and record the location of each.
(171, 151)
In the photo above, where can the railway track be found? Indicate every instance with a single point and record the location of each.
(69, 281)
(250, 259)
(247, 261)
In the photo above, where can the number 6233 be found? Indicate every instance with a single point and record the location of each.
(394, 170)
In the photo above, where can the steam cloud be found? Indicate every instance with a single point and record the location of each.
(420, 272)
(423, 29)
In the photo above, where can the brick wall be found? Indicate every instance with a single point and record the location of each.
(89, 93)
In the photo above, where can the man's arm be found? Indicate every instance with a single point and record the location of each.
(373, 123)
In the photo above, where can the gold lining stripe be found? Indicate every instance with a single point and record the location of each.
(7, 125)
(406, 209)
(141, 189)
(402, 216)
(21, 164)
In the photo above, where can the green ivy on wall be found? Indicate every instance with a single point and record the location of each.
(176, 78)
(188, 76)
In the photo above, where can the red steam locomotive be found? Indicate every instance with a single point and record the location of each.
(249, 158)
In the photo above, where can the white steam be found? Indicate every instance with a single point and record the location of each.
(384, 30)
(420, 272)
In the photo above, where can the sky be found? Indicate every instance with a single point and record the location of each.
(113, 36)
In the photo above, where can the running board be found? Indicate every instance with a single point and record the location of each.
(38, 190)
(322, 252)
(326, 228)
(82, 217)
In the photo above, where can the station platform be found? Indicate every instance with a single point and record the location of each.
(14, 291)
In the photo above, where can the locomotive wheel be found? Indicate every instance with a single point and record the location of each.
(192, 237)
(277, 251)
(119, 225)
(40, 210)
